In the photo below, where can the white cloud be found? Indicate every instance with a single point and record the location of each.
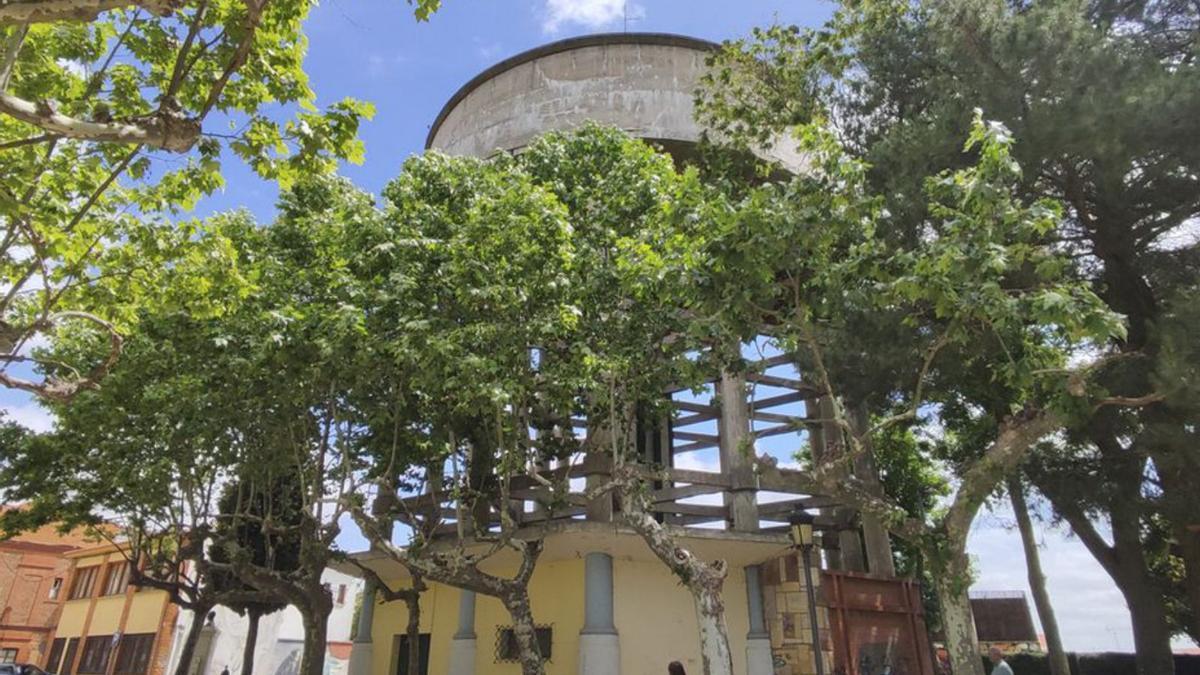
(29, 415)
(587, 13)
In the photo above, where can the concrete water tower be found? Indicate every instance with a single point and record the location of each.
(642, 83)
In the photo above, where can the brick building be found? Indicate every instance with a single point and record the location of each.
(34, 569)
(107, 626)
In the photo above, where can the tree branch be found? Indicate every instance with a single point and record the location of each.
(165, 129)
(44, 11)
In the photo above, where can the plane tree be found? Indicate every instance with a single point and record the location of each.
(117, 116)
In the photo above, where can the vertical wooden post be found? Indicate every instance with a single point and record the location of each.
(878, 542)
(736, 449)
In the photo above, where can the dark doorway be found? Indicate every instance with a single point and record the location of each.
(402, 655)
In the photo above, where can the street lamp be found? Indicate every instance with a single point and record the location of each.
(802, 538)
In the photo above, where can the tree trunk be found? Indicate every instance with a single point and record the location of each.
(1037, 580)
(715, 654)
(413, 603)
(188, 650)
(525, 632)
(703, 580)
(1151, 632)
(253, 614)
(1189, 552)
(1177, 474)
(951, 585)
(1125, 563)
(312, 660)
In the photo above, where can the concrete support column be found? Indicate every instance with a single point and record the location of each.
(362, 652)
(599, 643)
(462, 646)
(733, 428)
(758, 640)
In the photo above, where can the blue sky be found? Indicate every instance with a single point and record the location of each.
(374, 50)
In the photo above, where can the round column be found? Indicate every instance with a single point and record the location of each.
(599, 643)
(462, 646)
(758, 640)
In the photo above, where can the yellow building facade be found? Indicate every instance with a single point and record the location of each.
(588, 573)
(107, 626)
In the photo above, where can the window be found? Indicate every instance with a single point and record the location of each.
(341, 595)
(55, 588)
(133, 654)
(8, 656)
(506, 643)
(116, 578)
(85, 579)
(94, 658)
(402, 655)
(68, 661)
(56, 652)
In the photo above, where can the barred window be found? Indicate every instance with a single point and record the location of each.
(508, 650)
(96, 650)
(133, 654)
(85, 580)
(8, 655)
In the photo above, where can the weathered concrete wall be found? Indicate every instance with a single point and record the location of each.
(642, 84)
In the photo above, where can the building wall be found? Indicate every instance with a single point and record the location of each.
(29, 564)
(654, 616)
(134, 611)
(643, 88)
(280, 635)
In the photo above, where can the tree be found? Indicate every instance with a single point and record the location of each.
(1037, 580)
(809, 256)
(256, 536)
(251, 396)
(1097, 94)
(525, 304)
(95, 97)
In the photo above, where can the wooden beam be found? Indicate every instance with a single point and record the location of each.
(692, 436)
(682, 492)
(695, 407)
(713, 511)
(776, 431)
(689, 447)
(782, 399)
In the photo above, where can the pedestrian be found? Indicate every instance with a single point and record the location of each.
(999, 665)
(675, 668)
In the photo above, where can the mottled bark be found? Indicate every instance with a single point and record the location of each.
(524, 631)
(37, 11)
(704, 581)
(962, 644)
(163, 130)
(1037, 581)
(456, 567)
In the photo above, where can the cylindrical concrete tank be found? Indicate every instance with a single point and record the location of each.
(642, 83)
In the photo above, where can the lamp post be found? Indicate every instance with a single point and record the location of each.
(802, 538)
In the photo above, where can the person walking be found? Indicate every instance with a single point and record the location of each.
(676, 668)
(999, 665)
